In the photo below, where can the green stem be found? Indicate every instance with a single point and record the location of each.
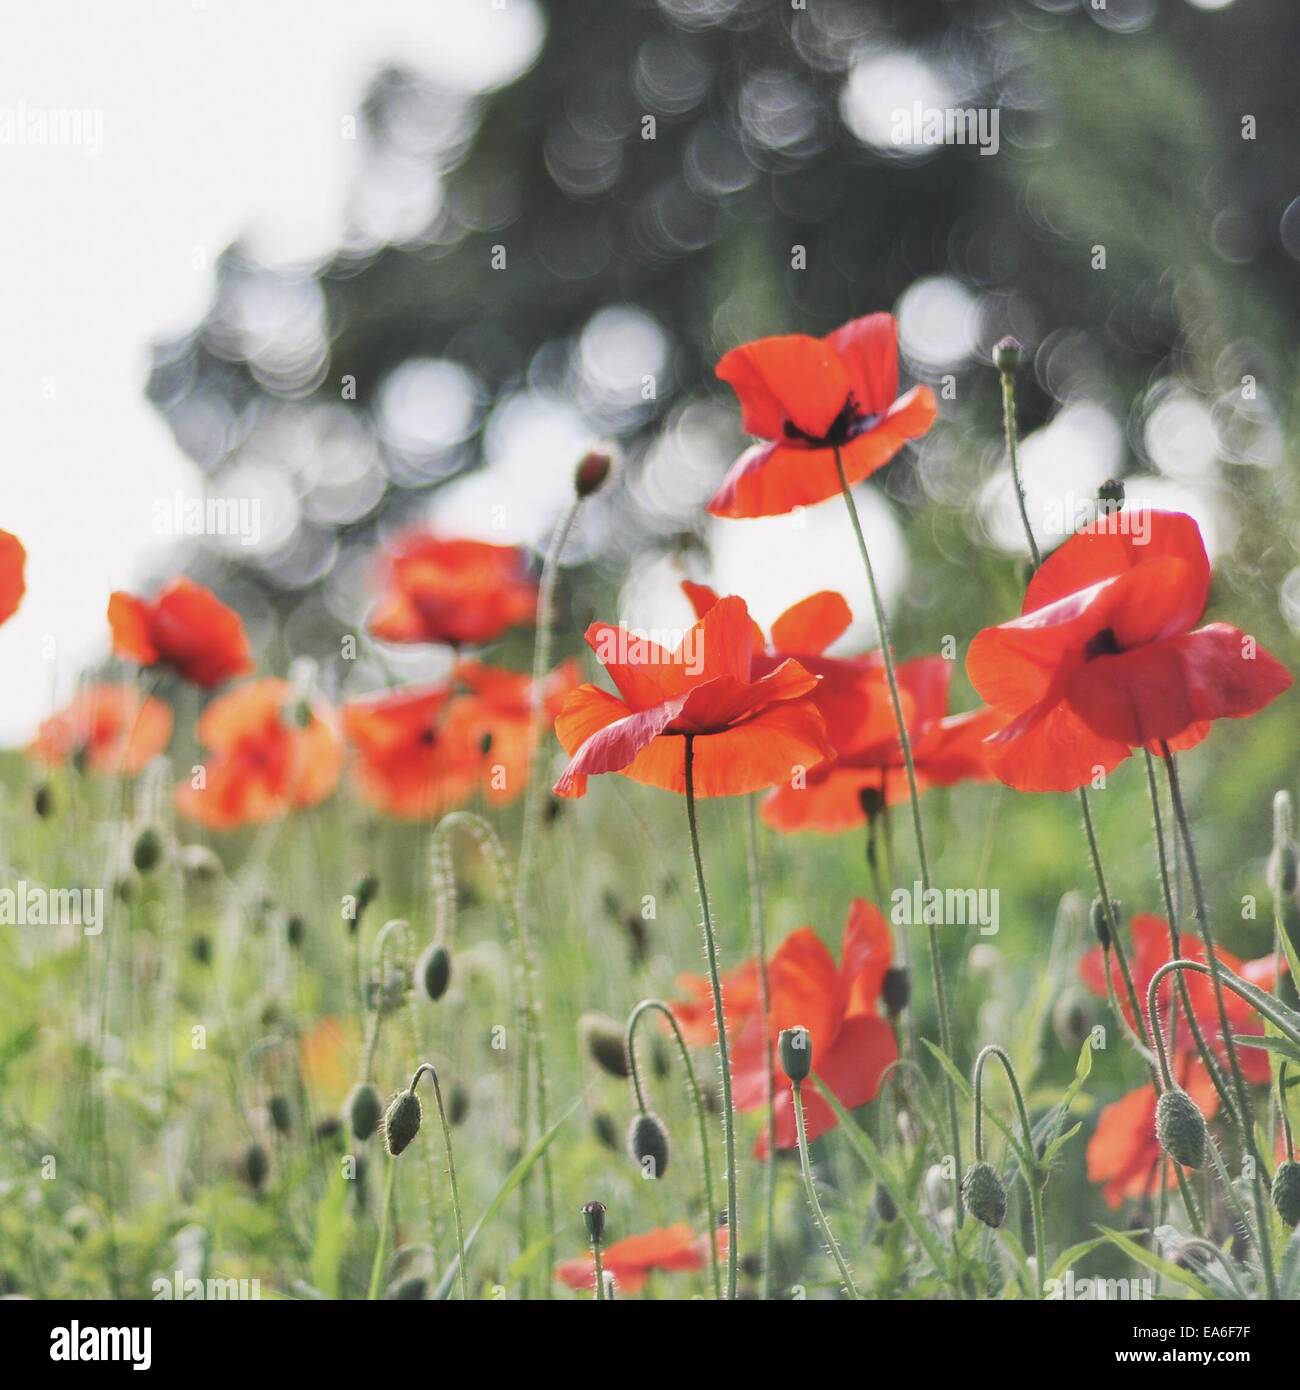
(377, 1268)
(758, 914)
(432, 1072)
(1230, 1046)
(1009, 429)
(724, 1059)
(600, 1273)
(832, 1246)
(918, 828)
(697, 1101)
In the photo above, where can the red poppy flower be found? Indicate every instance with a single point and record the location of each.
(674, 1249)
(264, 762)
(106, 728)
(741, 994)
(12, 584)
(495, 710)
(1150, 937)
(412, 761)
(749, 730)
(458, 592)
(186, 627)
(851, 1044)
(1124, 1153)
(1104, 660)
(946, 749)
(809, 397)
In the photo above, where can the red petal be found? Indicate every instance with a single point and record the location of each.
(853, 1066)
(810, 626)
(12, 585)
(868, 347)
(792, 378)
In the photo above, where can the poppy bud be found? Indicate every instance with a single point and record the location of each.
(413, 1289)
(1072, 1018)
(896, 990)
(1282, 869)
(1283, 819)
(280, 1113)
(1110, 496)
(433, 971)
(43, 801)
(147, 850)
(402, 1122)
(1180, 1127)
(254, 1166)
(295, 929)
(984, 1195)
(603, 1039)
(593, 1215)
(647, 1142)
(364, 1110)
(795, 1046)
(301, 715)
(329, 1128)
(872, 801)
(1006, 355)
(199, 862)
(1100, 922)
(603, 1128)
(366, 891)
(1286, 1191)
(457, 1105)
(201, 949)
(591, 472)
(886, 1208)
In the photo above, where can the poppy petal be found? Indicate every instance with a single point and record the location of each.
(852, 1067)
(12, 584)
(791, 378)
(868, 347)
(811, 625)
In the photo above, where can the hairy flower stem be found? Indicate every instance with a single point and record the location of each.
(697, 1103)
(832, 1246)
(600, 1272)
(429, 1069)
(918, 829)
(1009, 430)
(1230, 1047)
(765, 1007)
(377, 1268)
(724, 1058)
(1176, 949)
(1027, 1158)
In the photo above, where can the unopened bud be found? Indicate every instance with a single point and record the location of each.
(1072, 1018)
(1180, 1128)
(366, 891)
(1006, 354)
(1101, 922)
(43, 801)
(591, 472)
(364, 1110)
(254, 1166)
(1110, 497)
(795, 1048)
(603, 1039)
(457, 1105)
(402, 1122)
(647, 1142)
(603, 1127)
(281, 1114)
(433, 971)
(872, 801)
(147, 850)
(1286, 1191)
(593, 1216)
(984, 1195)
(414, 1288)
(886, 1208)
(295, 931)
(896, 990)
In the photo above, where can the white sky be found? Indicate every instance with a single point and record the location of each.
(221, 118)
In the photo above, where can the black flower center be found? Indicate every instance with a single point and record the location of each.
(1102, 644)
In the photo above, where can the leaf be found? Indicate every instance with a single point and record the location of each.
(516, 1175)
(1166, 1268)
(1059, 1143)
(1017, 1144)
(333, 1231)
(1076, 1252)
(1284, 1047)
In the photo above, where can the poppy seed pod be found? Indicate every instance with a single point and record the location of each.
(1006, 354)
(1110, 496)
(254, 1166)
(872, 801)
(896, 990)
(1286, 1191)
(279, 1110)
(433, 971)
(592, 472)
(1180, 1127)
(364, 1110)
(795, 1047)
(593, 1216)
(147, 850)
(402, 1122)
(984, 1195)
(647, 1142)
(603, 1039)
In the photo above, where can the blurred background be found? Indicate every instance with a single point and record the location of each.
(372, 266)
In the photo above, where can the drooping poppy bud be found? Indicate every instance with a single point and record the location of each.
(602, 1126)
(295, 931)
(147, 850)
(1006, 354)
(364, 1110)
(1100, 922)
(603, 1039)
(402, 1122)
(795, 1047)
(872, 801)
(593, 1216)
(413, 1289)
(592, 472)
(886, 1208)
(984, 1194)
(1180, 1128)
(280, 1112)
(457, 1105)
(43, 801)
(433, 971)
(896, 990)
(647, 1142)
(1286, 1191)
(254, 1166)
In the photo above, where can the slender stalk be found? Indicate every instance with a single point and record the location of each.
(432, 1072)
(1009, 430)
(724, 1058)
(1027, 1159)
(697, 1101)
(377, 1268)
(918, 827)
(1229, 1045)
(832, 1246)
(600, 1273)
(757, 912)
